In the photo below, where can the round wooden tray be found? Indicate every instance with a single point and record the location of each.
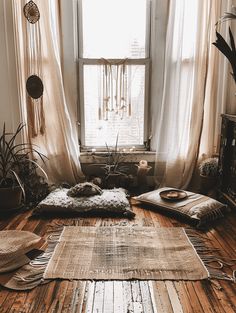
(173, 195)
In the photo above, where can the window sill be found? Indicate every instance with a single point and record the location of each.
(129, 157)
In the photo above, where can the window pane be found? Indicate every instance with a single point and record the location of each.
(114, 28)
(99, 131)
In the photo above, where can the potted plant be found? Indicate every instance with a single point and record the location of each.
(116, 173)
(113, 171)
(13, 157)
(228, 50)
(208, 169)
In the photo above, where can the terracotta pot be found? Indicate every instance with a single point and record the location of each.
(207, 183)
(10, 198)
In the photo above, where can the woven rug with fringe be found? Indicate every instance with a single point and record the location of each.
(120, 253)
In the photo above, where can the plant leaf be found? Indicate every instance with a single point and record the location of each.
(232, 40)
(38, 166)
(224, 48)
(19, 182)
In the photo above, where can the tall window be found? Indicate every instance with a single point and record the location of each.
(113, 71)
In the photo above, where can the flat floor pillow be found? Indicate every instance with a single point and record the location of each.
(198, 208)
(14, 246)
(111, 201)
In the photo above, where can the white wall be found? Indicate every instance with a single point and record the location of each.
(9, 103)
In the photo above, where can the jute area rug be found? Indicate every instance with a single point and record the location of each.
(121, 253)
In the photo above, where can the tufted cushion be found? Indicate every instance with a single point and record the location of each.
(112, 201)
(84, 189)
(196, 207)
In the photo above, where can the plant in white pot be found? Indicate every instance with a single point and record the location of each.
(208, 170)
(12, 156)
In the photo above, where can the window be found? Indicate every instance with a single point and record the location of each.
(113, 72)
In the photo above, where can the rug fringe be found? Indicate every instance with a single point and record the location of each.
(215, 264)
(31, 275)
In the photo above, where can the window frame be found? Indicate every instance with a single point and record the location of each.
(95, 61)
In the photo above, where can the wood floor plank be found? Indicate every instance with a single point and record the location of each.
(127, 296)
(88, 297)
(174, 298)
(82, 286)
(108, 298)
(55, 304)
(98, 297)
(215, 304)
(146, 297)
(19, 301)
(184, 298)
(223, 299)
(202, 297)
(119, 303)
(161, 297)
(192, 297)
(136, 296)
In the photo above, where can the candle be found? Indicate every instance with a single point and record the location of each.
(143, 164)
(143, 168)
(142, 171)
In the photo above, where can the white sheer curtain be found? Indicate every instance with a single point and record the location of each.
(59, 141)
(189, 89)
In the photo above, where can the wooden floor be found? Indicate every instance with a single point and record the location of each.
(126, 296)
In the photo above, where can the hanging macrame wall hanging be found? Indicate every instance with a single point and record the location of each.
(115, 89)
(34, 84)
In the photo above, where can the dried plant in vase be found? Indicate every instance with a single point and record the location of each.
(116, 173)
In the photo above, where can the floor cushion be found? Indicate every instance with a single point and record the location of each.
(196, 207)
(14, 247)
(111, 201)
